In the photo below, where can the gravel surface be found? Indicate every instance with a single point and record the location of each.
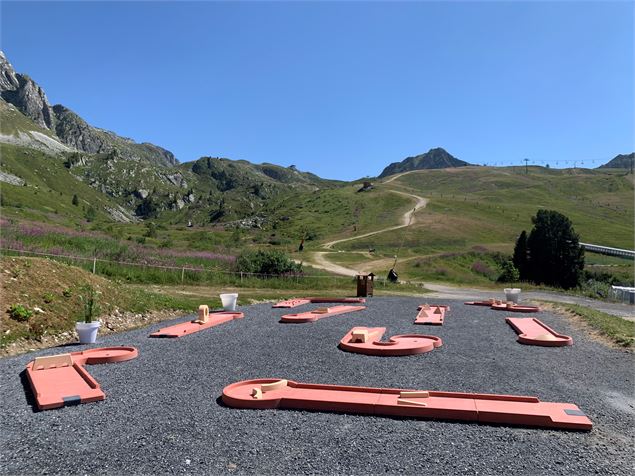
(162, 414)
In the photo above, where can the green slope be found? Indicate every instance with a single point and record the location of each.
(48, 192)
(472, 210)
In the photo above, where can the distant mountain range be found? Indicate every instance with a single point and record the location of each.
(126, 180)
(433, 159)
(621, 161)
(63, 125)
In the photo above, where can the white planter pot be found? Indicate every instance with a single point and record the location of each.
(512, 294)
(229, 301)
(87, 331)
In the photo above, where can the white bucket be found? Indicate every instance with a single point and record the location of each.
(87, 331)
(229, 301)
(512, 294)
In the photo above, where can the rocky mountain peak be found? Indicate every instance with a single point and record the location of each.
(25, 94)
(436, 158)
(8, 77)
(29, 98)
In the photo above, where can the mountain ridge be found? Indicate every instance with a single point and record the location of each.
(436, 158)
(620, 161)
(30, 99)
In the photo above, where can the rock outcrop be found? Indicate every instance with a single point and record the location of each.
(29, 98)
(25, 94)
(433, 159)
(621, 161)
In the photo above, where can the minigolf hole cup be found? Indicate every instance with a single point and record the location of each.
(228, 301)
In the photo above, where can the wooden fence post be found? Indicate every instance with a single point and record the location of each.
(94, 264)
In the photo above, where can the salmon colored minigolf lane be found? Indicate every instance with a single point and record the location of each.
(60, 380)
(425, 404)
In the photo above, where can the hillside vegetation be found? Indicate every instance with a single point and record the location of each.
(482, 210)
(49, 292)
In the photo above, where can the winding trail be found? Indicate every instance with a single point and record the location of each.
(406, 219)
(320, 260)
(443, 291)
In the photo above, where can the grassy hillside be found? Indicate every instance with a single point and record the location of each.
(482, 210)
(14, 122)
(55, 289)
(48, 192)
(485, 206)
(323, 215)
(473, 212)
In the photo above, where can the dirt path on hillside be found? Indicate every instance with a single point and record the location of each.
(406, 219)
(320, 260)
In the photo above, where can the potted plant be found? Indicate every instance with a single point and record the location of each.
(87, 329)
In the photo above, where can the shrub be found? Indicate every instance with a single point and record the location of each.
(167, 243)
(266, 262)
(482, 268)
(48, 298)
(90, 214)
(20, 313)
(67, 293)
(509, 274)
(151, 230)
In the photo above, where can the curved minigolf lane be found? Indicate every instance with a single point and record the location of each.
(367, 340)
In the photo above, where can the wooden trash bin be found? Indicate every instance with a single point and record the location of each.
(365, 284)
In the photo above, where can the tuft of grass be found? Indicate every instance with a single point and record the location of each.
(618, 330)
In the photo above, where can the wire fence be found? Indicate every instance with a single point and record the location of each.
(163, 274)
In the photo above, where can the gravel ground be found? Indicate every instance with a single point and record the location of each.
(161, 414)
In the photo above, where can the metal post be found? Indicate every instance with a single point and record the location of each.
(182, 274)
(94, 264)
(241, 276)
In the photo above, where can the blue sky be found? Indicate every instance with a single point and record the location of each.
(341, 89)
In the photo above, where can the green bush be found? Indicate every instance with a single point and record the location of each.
(509, 274)
(20, 313)
(267, 262)
(90, 214)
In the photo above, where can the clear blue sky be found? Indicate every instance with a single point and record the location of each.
(341, 89)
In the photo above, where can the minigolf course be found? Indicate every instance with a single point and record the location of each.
(205, 321)
(61, 380)
(531, 331)
(367, 340)
(469, 407)
(431, 315)
(320, 313)
(288, 303)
